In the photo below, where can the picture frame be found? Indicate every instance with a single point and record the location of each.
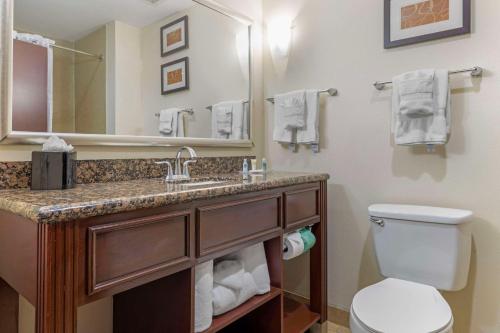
(409, 22)
(175, 76)
(174, 36)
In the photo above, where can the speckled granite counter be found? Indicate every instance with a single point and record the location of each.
(97, 199)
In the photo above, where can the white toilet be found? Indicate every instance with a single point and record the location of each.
(418, 249)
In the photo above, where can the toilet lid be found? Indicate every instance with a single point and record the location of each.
(394, 306)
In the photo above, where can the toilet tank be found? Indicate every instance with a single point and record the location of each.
(427, 245)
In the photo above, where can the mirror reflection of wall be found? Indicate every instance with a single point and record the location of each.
(95, 75)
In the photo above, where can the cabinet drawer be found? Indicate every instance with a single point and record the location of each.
(229, 224)
(301, 207)
(122, 251)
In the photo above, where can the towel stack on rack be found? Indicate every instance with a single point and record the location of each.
(296, 118)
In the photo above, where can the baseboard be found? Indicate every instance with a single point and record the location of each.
(335, 315)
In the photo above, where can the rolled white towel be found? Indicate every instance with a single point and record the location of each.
(203, 310)
(294, 246)
(224, 299)
(229, 273)
(254, 262)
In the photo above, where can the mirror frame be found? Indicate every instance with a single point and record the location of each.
(8, 136)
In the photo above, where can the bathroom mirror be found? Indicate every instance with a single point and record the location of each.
(127, 71)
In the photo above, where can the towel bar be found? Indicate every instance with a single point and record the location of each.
(209, 108)
(189, 111)
(330, 91)
(474, 71)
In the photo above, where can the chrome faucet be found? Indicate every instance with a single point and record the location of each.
(185, 167)
(181, 173)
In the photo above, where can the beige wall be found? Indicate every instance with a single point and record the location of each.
(339, 44)
(90, 84)
(63, 115)
(124, 61)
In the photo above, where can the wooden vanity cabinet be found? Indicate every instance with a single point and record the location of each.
(146, 260)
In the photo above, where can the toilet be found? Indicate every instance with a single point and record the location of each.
(419, 250)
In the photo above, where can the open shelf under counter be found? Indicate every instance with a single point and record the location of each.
(224, 320)
(297, 316)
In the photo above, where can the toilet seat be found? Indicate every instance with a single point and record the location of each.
(394, 306)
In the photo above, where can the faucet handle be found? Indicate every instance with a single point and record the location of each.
(185, 167)
(170, 174)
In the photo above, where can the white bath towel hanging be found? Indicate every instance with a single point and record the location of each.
(309, 133)
(289, 115)
(171, 123)
(412, 122)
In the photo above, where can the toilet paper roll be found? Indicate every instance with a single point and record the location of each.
(294, 246)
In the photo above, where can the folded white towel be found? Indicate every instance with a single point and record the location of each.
(420, 126)
(416, 93)
(171, 122)
(293, 245)
(232, 286)
(166, 126)
(309, 134)
(203, 308)
(254, 262)
(222, 120)
(289, 115)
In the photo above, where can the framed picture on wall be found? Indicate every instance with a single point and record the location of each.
(175, 76)
(174, 36)
(413, 21)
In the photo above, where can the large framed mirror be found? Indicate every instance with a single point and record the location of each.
(126, 72)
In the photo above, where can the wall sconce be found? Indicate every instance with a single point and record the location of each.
(279, 34)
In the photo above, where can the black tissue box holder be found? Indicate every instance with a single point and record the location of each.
(52, 170)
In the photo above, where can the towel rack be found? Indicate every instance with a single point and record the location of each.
(210, 108)
(474, 71)
(188, 111)
(330, 91)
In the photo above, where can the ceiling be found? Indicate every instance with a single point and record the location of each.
(72, 19)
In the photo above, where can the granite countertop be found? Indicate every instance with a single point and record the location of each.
(98, 199)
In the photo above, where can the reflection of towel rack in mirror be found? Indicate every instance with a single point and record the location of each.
(209, 108)
(330, 91)
(189, 111)
(474, 71)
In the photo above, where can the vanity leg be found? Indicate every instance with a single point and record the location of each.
(9, 308)
(318, 262)
(56, 301)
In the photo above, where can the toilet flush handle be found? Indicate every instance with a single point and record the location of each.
(377, 221)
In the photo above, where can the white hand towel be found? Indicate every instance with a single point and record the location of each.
(254, 262)
(222, 120)
(166, 126)
(294, 245)
(292, 107)
(172, 123)
(309, 134)
(416, 93)
(289, 114)
(430, 129)
(203, 308)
